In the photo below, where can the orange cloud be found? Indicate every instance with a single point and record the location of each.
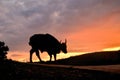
(18, 56)
(103, 33)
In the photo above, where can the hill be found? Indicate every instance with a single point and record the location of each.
(96, 58)
(12, 70)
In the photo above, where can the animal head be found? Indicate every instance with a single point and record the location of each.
(64, 46)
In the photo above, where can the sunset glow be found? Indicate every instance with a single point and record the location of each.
(24, 57)
(88, 25)
(112, 49)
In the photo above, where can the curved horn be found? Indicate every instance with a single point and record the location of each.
(60, 41)
(65, 40)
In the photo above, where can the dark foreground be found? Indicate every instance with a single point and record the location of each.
(10, 70)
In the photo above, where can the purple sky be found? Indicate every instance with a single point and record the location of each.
(19, 19)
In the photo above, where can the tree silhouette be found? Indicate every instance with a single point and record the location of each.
(3, 51)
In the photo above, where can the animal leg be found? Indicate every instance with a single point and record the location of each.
(50, 57)
(55, 57)
(37, 54)
(31, 52)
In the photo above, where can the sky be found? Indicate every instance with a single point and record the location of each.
(88, 25)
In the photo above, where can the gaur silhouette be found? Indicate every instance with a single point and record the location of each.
(48, 43)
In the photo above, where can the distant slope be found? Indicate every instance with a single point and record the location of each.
(96, 58)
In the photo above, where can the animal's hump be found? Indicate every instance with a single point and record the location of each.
(45, 37)
(51, 37)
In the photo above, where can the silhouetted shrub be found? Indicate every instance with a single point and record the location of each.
(3, 51)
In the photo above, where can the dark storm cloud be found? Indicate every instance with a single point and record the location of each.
(21, 18)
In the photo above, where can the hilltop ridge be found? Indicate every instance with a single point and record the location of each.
(94, 58)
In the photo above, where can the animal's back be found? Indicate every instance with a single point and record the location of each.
(43, 41)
